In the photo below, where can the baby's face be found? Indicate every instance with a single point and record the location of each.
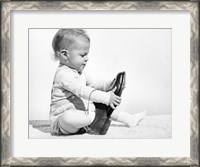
(78, 54)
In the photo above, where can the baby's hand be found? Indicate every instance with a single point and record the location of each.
(114, 99)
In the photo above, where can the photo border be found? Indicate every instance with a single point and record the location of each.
(9, 6)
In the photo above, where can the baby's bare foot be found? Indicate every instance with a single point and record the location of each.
(135, 119)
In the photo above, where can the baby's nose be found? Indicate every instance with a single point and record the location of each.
(86, 58)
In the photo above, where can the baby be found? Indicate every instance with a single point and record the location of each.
(73, 93)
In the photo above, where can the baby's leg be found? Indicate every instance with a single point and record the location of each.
(128, 119)
(72, 120)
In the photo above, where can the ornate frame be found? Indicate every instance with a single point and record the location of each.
(8, 6)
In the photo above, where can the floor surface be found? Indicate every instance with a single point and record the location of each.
(152, 127)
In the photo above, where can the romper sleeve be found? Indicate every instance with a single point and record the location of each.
(99, 84)
(71, 82)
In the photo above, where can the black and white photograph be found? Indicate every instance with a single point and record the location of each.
(100, 83)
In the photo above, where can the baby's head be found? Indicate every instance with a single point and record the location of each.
(71, 48)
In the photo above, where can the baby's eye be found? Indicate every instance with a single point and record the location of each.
(83, 55)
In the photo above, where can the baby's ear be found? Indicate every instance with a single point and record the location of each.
(64, 54)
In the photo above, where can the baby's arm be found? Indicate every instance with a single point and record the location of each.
(107, 86)
(100, 84)
(72, 83)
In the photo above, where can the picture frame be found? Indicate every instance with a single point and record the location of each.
(6, 93)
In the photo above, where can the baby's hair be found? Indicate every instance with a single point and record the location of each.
(68, 36)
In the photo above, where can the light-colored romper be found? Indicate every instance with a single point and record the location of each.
(72, 90)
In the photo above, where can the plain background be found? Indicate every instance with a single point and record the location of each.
(144, 54)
